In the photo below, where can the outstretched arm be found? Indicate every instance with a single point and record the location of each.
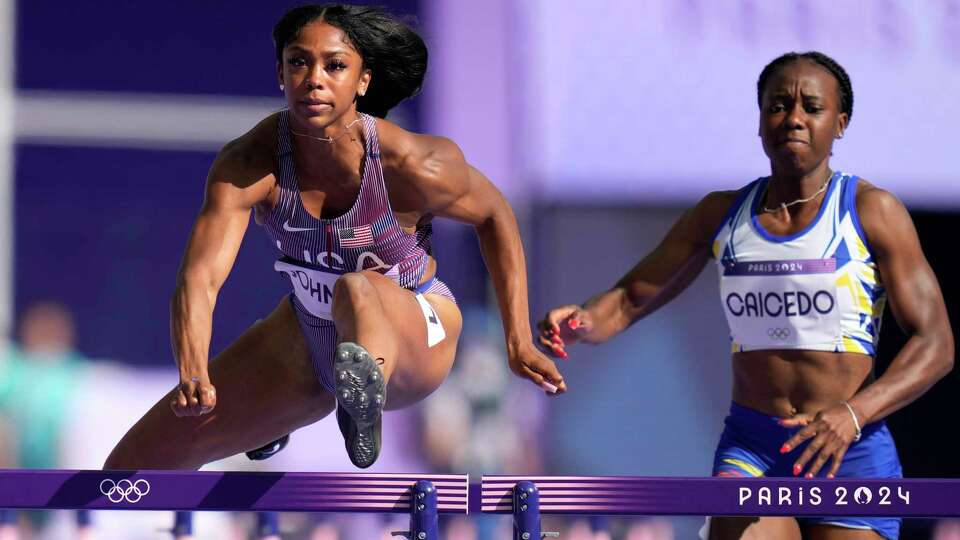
(233, 187)
(503, 253)
(654, 281)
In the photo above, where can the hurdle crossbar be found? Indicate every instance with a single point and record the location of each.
(229, 491)
(613, 495)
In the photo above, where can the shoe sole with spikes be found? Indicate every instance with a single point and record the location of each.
(361, 395)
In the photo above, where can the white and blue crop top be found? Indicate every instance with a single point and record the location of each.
(818, 289)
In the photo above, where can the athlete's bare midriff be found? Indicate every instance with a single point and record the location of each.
(787, 382)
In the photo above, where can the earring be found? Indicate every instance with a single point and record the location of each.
(840, 136)
(281, 88)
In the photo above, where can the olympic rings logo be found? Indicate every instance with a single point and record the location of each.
(124, 490)
(779, 333)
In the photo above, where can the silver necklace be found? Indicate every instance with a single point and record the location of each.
(784, 206)
(329, 140)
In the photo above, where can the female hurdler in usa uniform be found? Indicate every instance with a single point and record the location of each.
(348, 199)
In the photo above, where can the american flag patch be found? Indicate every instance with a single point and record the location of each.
(355, 237)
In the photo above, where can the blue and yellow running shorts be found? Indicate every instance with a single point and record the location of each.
(750, 447)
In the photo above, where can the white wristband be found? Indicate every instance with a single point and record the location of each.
(856, 422)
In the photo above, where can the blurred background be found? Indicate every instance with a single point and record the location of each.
(601, 121)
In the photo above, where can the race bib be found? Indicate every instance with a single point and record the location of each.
(312, 287)
(782, 304)
(435, 332)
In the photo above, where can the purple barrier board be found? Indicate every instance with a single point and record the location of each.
(234, 491)
(728, 496)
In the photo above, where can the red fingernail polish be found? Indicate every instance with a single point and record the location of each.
(573, 324)
(785, 448)
(796, 470)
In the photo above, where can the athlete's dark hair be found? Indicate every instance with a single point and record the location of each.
(831, 65)
(390, 48)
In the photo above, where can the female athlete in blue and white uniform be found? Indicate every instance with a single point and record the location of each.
(807, 258)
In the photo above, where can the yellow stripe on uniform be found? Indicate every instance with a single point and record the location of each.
(852, 345)
(744, 466)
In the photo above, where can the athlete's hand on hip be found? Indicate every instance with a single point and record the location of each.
(194, 397)
(563, 326)
(831, 431)
(526, 361)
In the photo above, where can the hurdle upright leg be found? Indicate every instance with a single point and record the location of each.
(423, 513)
(526, 512)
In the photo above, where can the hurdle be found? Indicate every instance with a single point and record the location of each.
(528, 497)
(422, 496)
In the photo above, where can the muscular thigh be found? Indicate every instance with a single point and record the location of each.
(420, 368)
(266, 387)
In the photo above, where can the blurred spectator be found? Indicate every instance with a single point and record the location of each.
(37, 378)
(37, 383)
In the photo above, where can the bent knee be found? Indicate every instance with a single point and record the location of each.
(353, 288)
